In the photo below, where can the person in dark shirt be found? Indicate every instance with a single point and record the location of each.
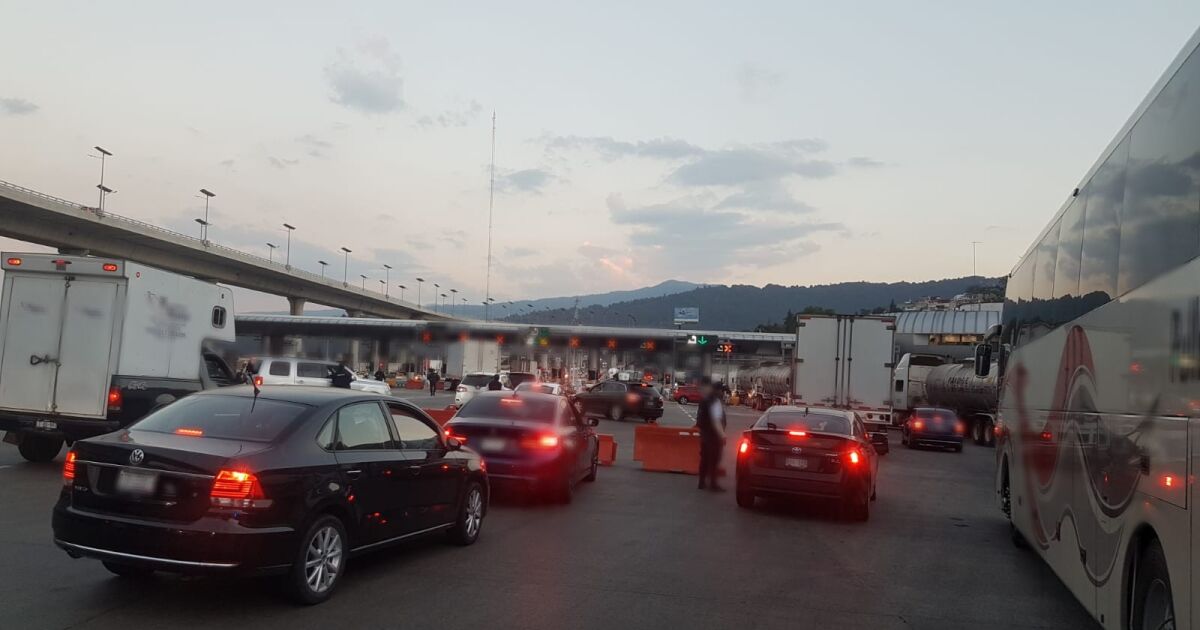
(341, 376)
(432, 378)
(494, 384)
(710, 419)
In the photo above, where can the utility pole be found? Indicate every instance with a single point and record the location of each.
(487, 287)
(103, 189)
(973, 244)
(287, 261)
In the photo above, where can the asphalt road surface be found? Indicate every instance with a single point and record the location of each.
(634, 550)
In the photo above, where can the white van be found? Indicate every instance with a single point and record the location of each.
(297, 371)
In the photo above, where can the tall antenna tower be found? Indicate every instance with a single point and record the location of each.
(487, 290)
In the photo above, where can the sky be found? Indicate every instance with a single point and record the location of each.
(794, 143)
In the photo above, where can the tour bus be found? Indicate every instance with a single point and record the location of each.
(1098, 435)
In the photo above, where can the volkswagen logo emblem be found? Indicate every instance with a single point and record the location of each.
(137, 456)
(795, 449)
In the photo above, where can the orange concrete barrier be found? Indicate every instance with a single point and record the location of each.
(608, 449)
(441, 416)
(414, 383)
(675, 449)
(648, 430)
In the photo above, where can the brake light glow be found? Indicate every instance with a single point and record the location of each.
(1168, 481)
(511, 401)
(744, 447)
(918, 425)
(960, 428)
(548, 441)
(115, 398)
(1046, 436)
(190, 432)
(109, 267)
(237, 489)
(15, 262)
(69, 468)
(797, 433)
(632, 398)
(853, 457)
(258, 380)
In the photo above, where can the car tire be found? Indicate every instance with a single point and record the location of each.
(745, 498)
(857, 509)
(470, 515)
(617, 413)
(976, 435)
(683, 400)
(565, 491)
(324, 547)
(39, 449)
(1150, 593)
(958, 448)
(127, 571)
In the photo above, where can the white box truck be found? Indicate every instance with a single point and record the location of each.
(471, 355)
(845, 361)
(88, 345)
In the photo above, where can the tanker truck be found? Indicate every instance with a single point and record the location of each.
(763, 386)
(956, 386)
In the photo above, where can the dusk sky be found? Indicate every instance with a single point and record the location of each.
(789, 143)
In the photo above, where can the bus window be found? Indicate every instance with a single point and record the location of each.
(1066, 270)
(1017, 297)
(1040, 316)
(1160, 225)
(1102, 230)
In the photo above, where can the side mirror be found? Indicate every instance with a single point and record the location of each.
(453, 443)
(983, 359)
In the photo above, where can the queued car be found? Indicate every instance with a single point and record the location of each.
(933, 426)
(808, 452)
(314, 372)
(540, 387)
(511, 380)
(533, 441)
(288, 480)
(685, 394)
(470, 385)
(617, 401)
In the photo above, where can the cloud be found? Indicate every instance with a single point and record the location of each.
(755, 163)
(690, 236)
(368, 79)
(455, 238)
(864, 162)
(530, 180)
(519, 252)
(314, 146)
(281, 162)
(769, 196)
(611, 149)
(17, 106)
(755, 82)
(452, 117)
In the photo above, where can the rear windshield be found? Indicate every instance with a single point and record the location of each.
(645, 388)
(510, 408)
(939, 414)
(224, 417)
(476, 380)
(816, 422)
(516, 378)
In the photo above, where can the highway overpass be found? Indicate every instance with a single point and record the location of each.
(31, 216)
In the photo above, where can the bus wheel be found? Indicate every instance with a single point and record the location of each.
(1153, 607)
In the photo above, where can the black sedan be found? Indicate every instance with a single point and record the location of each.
(808, 452)
(932, 426)
(618, 400)
(534, 441)
(290, 480)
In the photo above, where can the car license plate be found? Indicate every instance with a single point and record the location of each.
(47, 425)
(492, 444)
(136, 483)
(796, 462)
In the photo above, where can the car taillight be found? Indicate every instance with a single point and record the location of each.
(258, 380)
(452, 434)
(115, 398)
(237, 489)
(960, 428)
(853, 457)
(69, 468)
(918, 425)
(544, 441)
(797, 433)
(744, 447)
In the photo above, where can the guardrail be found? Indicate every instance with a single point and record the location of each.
(192, 241)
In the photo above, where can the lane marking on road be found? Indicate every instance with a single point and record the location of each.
(685, 411)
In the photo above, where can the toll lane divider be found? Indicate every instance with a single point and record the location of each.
(667, 449)
(608, 449)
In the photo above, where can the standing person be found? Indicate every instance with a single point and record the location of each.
(432, 378)
(379, 373)
(710, 419)
(341, 376)
(494, 385)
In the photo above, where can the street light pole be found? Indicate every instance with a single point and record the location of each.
(208, 194)
(271, 252)
(402, 288)
(436, 286)
(103, 190)
(420, 283)
(346, 268)
(387, 279)
(203, 225)
(453, 299)
(323, 266)
(385, 287)
(364, 281)
(973, 244)
(288, 260)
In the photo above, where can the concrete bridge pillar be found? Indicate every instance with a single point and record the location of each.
(296, 305)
